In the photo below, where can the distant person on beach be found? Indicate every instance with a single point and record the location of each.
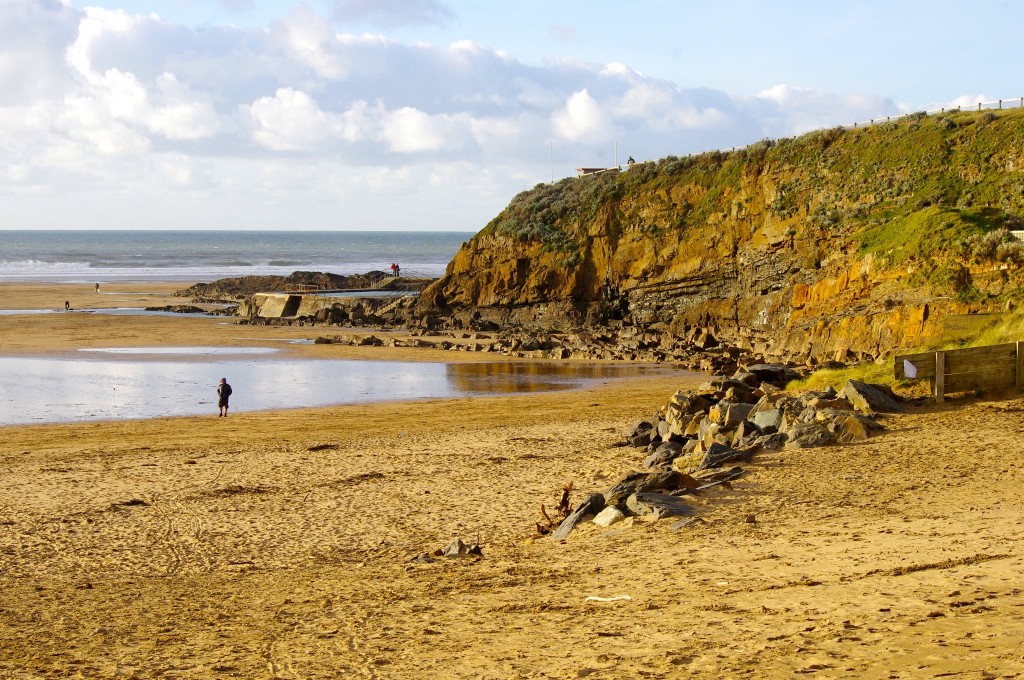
(97, 287)
(223, 392)
(398, 270)
(394, 269)
(67, 305)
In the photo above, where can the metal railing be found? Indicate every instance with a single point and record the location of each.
(994, 104)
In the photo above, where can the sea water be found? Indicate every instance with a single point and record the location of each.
(204, 256)
(132, 383)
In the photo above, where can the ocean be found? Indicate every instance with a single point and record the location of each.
(203, 256)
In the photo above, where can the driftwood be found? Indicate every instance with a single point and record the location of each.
(562, 510)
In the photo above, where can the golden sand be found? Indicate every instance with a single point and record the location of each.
(279, 545)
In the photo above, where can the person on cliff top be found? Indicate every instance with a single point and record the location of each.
(223, 392)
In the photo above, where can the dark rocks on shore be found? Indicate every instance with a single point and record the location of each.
(178, 309)
(233, 289)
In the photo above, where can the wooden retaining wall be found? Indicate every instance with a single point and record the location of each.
(993, 367)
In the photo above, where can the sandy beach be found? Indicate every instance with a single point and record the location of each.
(280, 545)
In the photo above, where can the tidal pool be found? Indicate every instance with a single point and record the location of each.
(126, 383)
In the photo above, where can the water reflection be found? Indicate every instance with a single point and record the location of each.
(110, 386)
(505, 377)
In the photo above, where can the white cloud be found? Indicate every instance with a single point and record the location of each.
(311, 41)
(967, 101)
(581, 118)
(786, 110)
(392, 13)
(408, 130)
(33, 36)
(125, 105)
(290, 121)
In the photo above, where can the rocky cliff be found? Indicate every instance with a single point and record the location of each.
(843, 243)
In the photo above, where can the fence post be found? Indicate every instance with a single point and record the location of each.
(1020, 364)
(940, 376)
(979, 106)
(1000, 104)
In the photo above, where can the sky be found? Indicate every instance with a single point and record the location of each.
(405, 115)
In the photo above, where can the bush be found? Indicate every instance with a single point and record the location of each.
(1010, 251)
(984, 246)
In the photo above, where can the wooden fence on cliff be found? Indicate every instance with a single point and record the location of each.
(993, 367)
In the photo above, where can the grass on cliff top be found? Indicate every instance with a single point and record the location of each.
(993, 329)
(920, 233)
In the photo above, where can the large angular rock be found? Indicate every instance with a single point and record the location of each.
(687, 403)
(770, 442)
(641, 434)
(719, 454)
(809, 435)
(745, 433)
(848, 429)
(609, 516)
(642, 481)
(870, 398)
(741, 396)
(852, 427)
(458, 548)
(768, 418)
(593, 504)
(689, 461)
(692, 428)
(736, 414)
(664, 454)
(658, 505)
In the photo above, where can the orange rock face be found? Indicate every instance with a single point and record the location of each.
(771, 248)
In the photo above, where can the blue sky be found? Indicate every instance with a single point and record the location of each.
(432, 114)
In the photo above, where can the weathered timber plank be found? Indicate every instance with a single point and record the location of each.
(924, 362)
(982, 350)
(1006, 364)
(968, 382)
(963, 360)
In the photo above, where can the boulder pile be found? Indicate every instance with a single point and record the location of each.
(727, 420)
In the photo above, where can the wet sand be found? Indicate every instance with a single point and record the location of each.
(279, 545)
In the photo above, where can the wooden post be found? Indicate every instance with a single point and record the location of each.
(1020, 365)
(940, 376)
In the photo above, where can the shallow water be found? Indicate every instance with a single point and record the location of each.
(126, 383)
(110, 311)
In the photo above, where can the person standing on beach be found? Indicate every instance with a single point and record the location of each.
(223, 392)
(97, 287)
